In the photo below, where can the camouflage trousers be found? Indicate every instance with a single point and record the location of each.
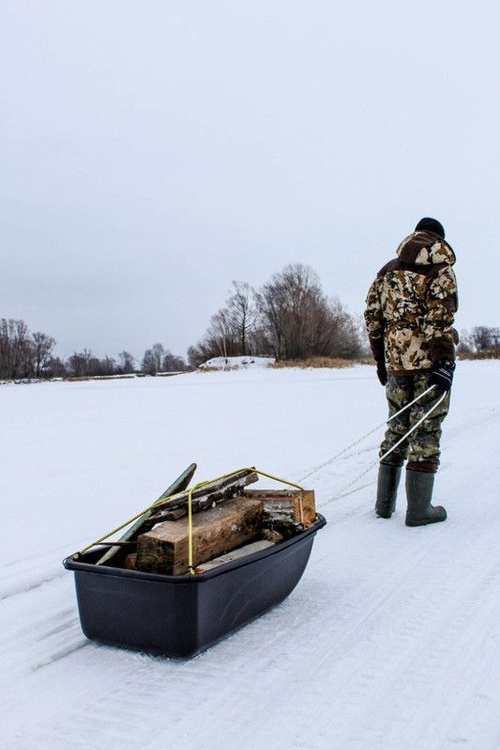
(421, 449)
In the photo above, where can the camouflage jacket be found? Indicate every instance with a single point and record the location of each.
(411, 305)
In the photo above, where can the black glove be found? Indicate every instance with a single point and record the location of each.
(442, 375)
(381, 373)
(377, 347)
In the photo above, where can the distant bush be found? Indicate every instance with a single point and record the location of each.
(483, 342)
(313, 362)
(485, 354)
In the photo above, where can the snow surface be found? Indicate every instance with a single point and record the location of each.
(390, 640)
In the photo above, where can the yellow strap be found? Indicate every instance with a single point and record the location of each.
(190, 510)
(126, 523)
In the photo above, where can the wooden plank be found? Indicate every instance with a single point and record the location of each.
(237, 479)
(295, 505)
(164, 549)
(237, 554)
(205, 497)
(133, 532)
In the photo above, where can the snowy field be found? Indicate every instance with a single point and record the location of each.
(391, 639)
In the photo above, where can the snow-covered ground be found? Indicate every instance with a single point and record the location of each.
(390, 641)
(236, 363)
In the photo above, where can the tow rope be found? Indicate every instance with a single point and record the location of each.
(276, 479)
(387, 453)
(360, 440)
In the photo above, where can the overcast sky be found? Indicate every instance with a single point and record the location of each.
(154, 151)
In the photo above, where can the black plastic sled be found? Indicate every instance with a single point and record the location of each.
(179, 616)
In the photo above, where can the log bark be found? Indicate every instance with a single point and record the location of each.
(164, 549)
(203, 498)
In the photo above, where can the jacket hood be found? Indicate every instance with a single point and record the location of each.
(425, 249)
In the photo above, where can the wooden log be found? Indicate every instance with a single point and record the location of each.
(294, 505)
(278, 528)
(272, 535)
(236, 554)
(236, 479)
(170, 515)
(203, 498)
(130, 561)
(164, 549)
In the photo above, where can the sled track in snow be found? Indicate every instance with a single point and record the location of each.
(31, 572)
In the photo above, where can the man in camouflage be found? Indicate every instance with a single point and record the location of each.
(409, 317)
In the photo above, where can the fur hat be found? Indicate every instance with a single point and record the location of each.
(430, 225)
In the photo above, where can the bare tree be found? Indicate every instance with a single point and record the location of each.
(78, 364)
(85, 364)
(158, 351)
(106, 366)
(485, 338)
(125, 363)
(482, 342)
(6, 356)
(56, 368)
(221, 334)
(242, 314)
(299, 321)
(16, 349)
(291, 305)
(466, 344)
(196, 356)
(43, 346)
(148, 364)
(233, 330)
(152, 360)
(173, 363)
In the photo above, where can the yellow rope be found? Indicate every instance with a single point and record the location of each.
(190, 510)
(190, 532)
(126, 523)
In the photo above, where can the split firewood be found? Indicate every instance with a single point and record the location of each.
(271, 535)
(205, 497)
(279, 528)
(130, 560)
(296, 506)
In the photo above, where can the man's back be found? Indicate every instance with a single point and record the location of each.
(412, 302)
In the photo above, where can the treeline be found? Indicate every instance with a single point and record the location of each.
(289, 318)
(25, 355)
(482, 342)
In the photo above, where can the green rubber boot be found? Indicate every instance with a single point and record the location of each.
(387, 487)
(420, 512)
